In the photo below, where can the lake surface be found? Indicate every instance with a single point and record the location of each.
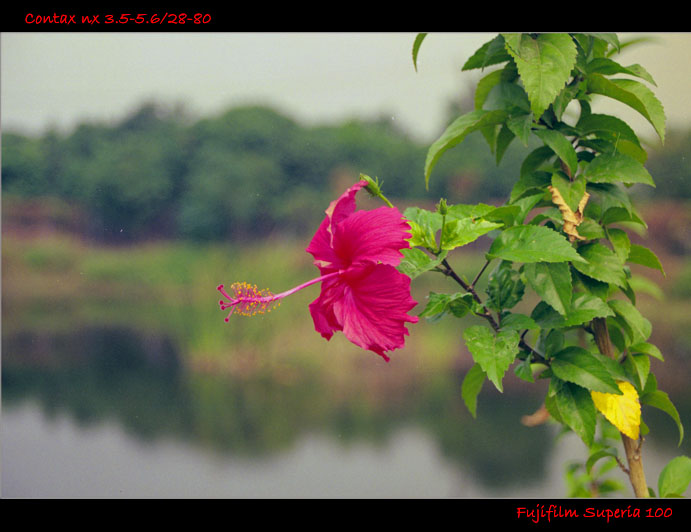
(112, 413)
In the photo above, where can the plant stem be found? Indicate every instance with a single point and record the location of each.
(486, 313)
(631, 447)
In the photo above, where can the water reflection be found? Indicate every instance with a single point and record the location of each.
(98, 377)
(121, 407)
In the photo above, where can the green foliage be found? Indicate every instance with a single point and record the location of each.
(675, 477)
(561, 238)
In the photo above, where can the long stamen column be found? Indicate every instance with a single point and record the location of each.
(248, 300)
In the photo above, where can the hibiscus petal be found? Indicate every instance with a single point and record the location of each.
(321, 309)
(321, 246)
(373, 309)
(372, 236)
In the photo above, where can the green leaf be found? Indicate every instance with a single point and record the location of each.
(532, 243)
(493, 352)
(524, 370)
(635, 95)
(461, 210)
(544, 64)
(471, 386)
(416, 47)
(601, 264)
(597, 455)
(517, 322)
(638, 367)
(561, 146)
(505, 288)
(648, 349)
(415, 262)
(520, 125)
(584, 308)
(660, 400)
(571, 191)
(457, 131)
(439, 304)
(610, 168)
(577, 365)
(424, 225)
(575, 408)
(608, 67)
(506, 95)
(462, 231)
(620, 243)
(552, 282)
(601, 123)
(645, 257)
(490, 53)
(639, 327)
(609, 195)
(484, 86)
(675, 477)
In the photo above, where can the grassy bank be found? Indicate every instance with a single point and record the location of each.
(59, 283)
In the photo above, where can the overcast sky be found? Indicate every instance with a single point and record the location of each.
(60, 79)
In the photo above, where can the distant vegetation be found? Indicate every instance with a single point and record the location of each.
(249, 171)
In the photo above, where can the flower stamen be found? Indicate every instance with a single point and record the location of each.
(248, 300)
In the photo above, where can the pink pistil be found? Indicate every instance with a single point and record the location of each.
(248, 300)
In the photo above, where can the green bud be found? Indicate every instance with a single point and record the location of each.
(442, 208)
(372, 185)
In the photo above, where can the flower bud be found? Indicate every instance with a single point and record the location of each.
(442, 207)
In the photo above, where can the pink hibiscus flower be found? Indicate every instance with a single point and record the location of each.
(362, 293)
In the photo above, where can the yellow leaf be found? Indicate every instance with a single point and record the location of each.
(623, 411)
(571, 219)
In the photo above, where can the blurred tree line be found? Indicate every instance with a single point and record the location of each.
(252, 171)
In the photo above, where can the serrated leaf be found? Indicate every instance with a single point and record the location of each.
(552, 282)
(493, 352)
(638, 367)
(424, 226)
(490, 53)
(457, 131)
(458, 304)
(462, 231)
(601, 123)
(504, 288)
(575, 408)
(461, 210)
(532, 243)
(645, 257)
(517, 322)
(520, 125)
(623, 411)
(544, 64)
(660, 400)
(608, 67)
(635, 95)
(577, 365)
(620, 243)
(640, 327)
(675, 477)
(597, 455)
(415, 262)
(617, 167)
(484, 86)
(584, 308)
(648, 349)
(601, 264)
(560, 145)
(471, 387)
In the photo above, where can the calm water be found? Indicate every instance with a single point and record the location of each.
(111, 413)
